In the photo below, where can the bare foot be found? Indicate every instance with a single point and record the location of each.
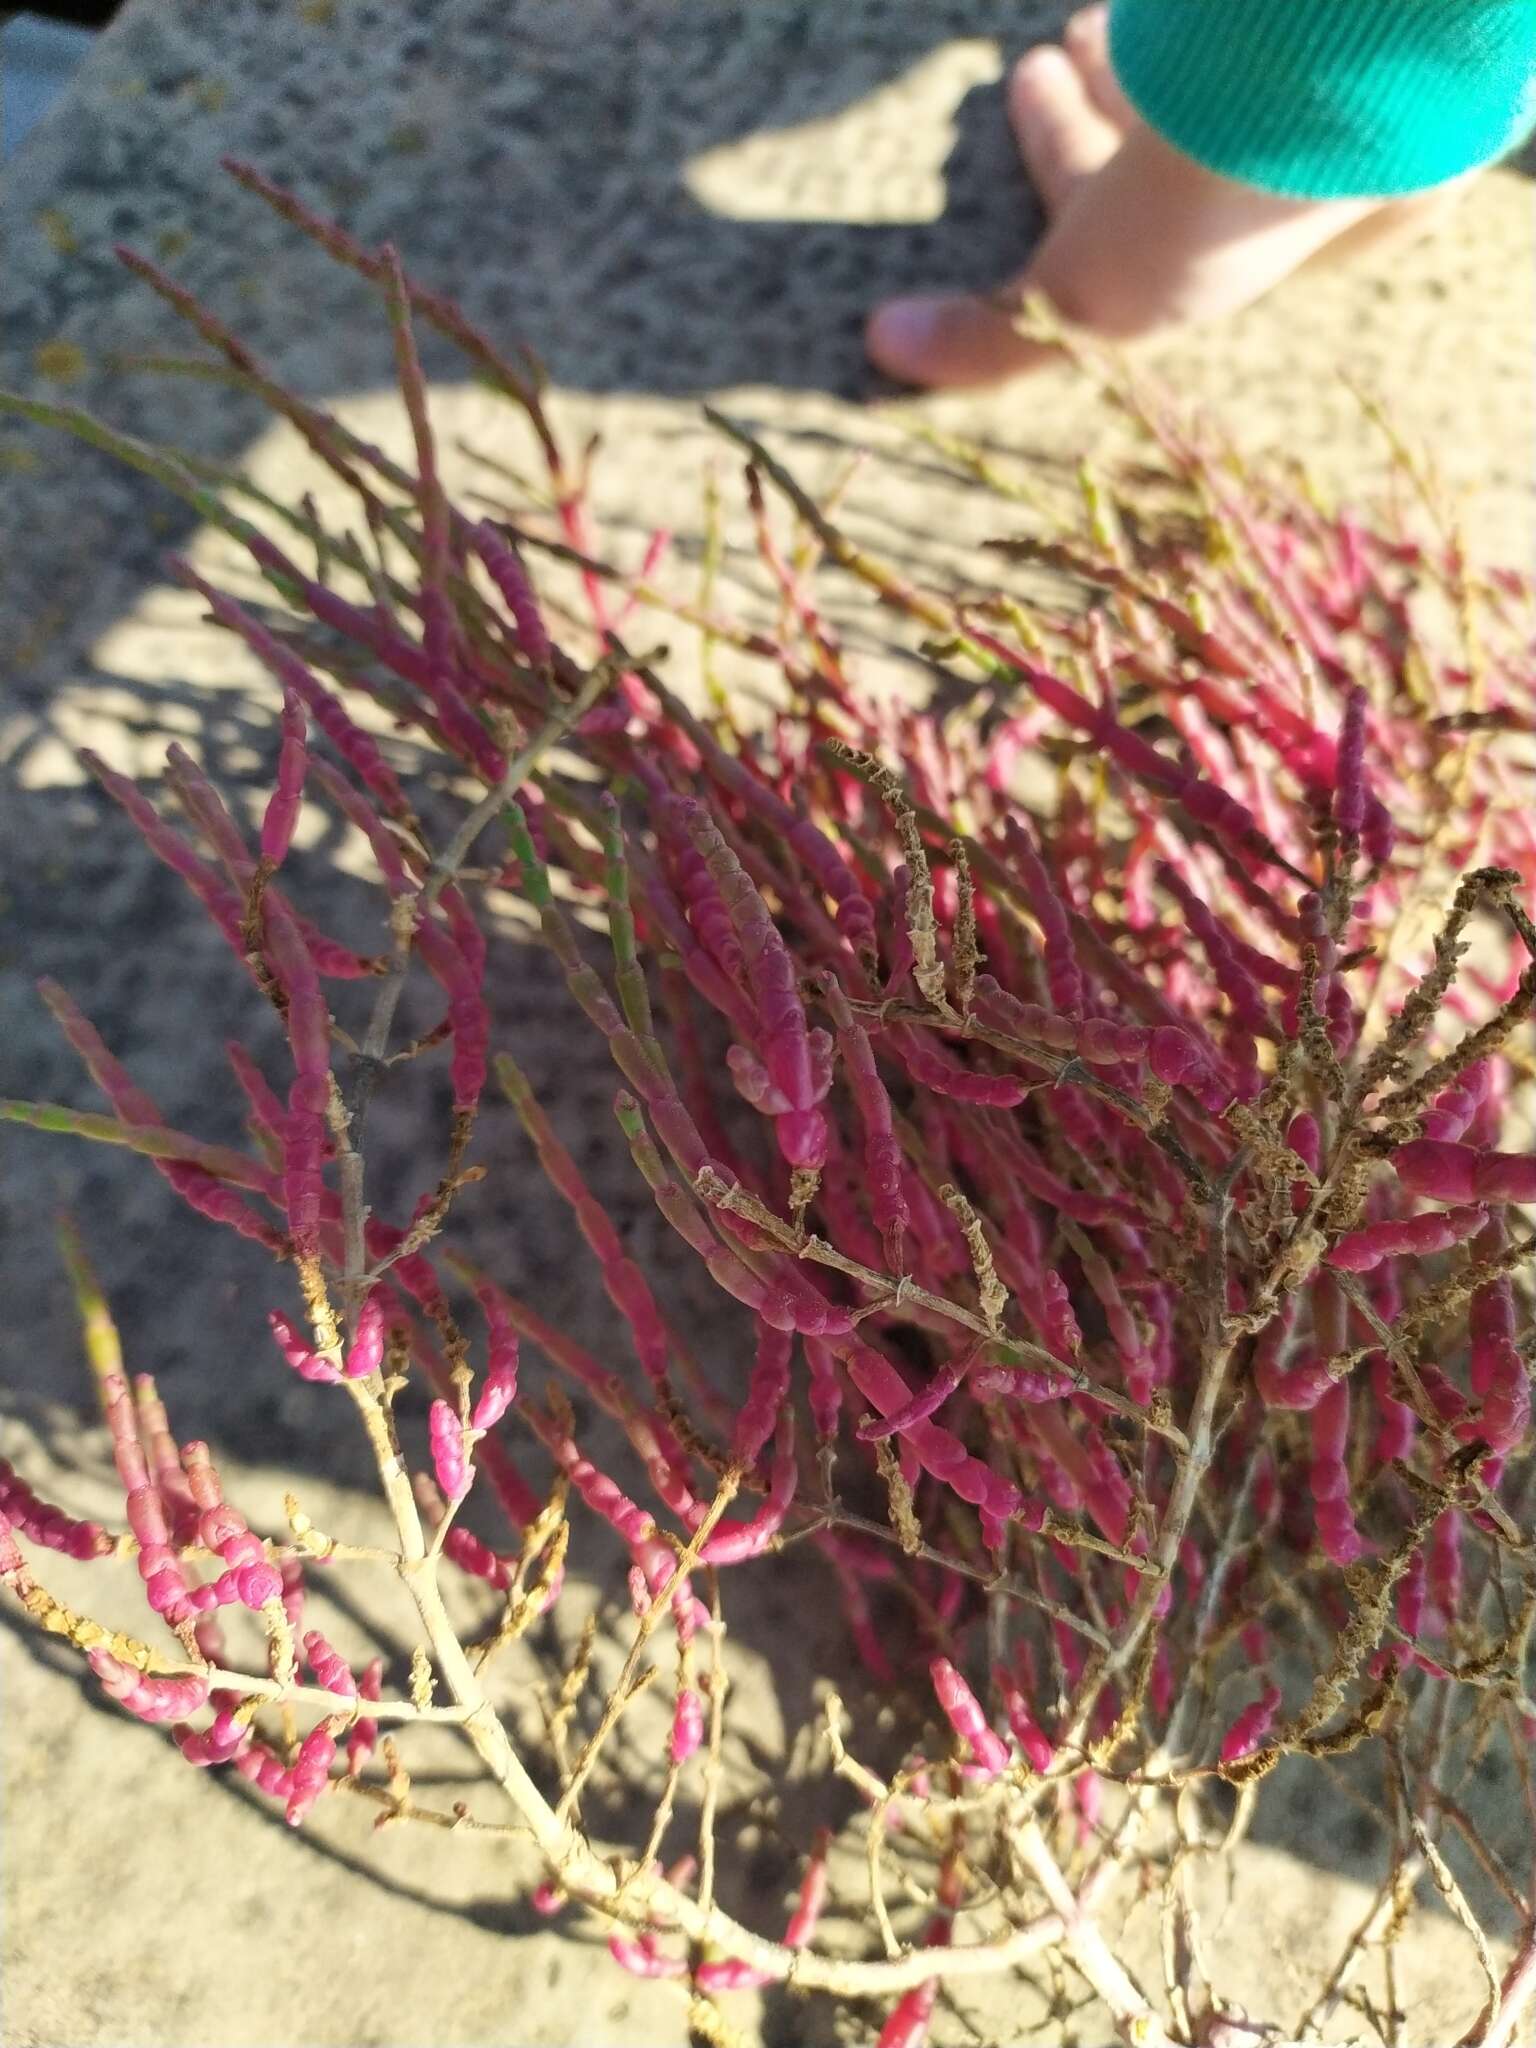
(1141, 238)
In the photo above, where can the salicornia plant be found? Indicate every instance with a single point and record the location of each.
(1118, 1171)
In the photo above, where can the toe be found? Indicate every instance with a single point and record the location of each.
(949, 342)
(1061, 135)
(1086, 38)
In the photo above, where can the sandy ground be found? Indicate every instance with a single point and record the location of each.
(669, 203)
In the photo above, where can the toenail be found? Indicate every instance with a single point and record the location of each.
(1043, 60)
(902, 331)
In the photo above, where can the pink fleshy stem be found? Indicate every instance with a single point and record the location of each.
(1397, 1424)
(197, 1185)
(945, 1382)
(1058, 1320)
(294, 1592)
(1137, 1363)
(357, 748)
(208, 810)
(310, 1771)
(1281, 1381)
(600, 1493)
(1248, 1732)
(826, 1389)
(198, 797)
(517, 1499)
(1225, 818)
(42, 1523)
(13, 1566)
(498, 1391)
(389, 851)
(222, 1741)
(1064, 975)
(369, 263)
(1350, 792)
(329, 1666)
(466, 1550)
(754, 1084)
(258, 1583)
(282, 812)
(1095, 1481)
(149, 1698)
(222, 903)
(1171, 1052)
(1314, 933)
(440, 634)
(639, 1059)
(1197, 1061)
(261, 1767)
(678, 1207)
(731, 1974)
(320, 432)
(1446, 1171)
(299, 1352)
(820, 857)
(1496, 1370)
(642, 1957)
(505, 568)
(857, 1614)
(963, 1711)
(412, 1270)
(655, 1569)
(647, 1430)
(449, 1462)
(1454, 1108)
(703, 972)
(1027, 1383)
(1443, 1567)
(936, 1448)
(813, 1894)
(655, 554)
(767, 1391)
(457, 1542)
(783, 1033)
(268, 1116)
(365, 1732)
(733, 1542)
(1359, 1251)
(899, 953)
(774, 1285)
(687, 1734)
(1410, 1596)
(1035, 1746)
(165, 1584)
(468, 1018)
(365, 1352)
(907, 2024)
(164, 1457)
(1233, 971)
(933, 1069)
(1305, 1139)
(882, 1151)
(1328, 1477)
(309, 1037)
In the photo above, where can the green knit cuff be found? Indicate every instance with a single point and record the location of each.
(1331, 99)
